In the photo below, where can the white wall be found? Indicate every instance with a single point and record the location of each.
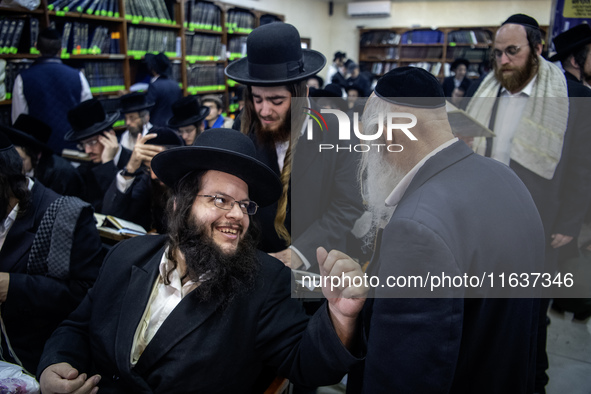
(339, 32)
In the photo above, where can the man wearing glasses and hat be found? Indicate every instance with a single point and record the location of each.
(135, 108)
(201, 309)
(92, 130)
(30, 136)
(320, 200)
(542, 133)
(187, 118)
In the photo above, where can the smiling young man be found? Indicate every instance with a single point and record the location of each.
(541, 132)
(201, 309)
(319, 205)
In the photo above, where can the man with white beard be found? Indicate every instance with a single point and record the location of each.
(443, 210)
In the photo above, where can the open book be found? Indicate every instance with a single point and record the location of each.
(464, 125)
(118, 225)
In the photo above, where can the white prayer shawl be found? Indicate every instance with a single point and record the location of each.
(537, 144)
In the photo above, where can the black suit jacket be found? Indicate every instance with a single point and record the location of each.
(59, 175)
(199, 348)
(36, 304)
(462, 213)
(163, 92)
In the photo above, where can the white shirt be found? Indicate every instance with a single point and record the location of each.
(126, 140)
(163, 300)
(509, 114)
(19, 102)
(394, 198)
(11, 218)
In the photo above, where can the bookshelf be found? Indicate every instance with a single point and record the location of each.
(108, 39)
(380, 50)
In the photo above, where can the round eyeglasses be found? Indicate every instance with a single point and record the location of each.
(227, 203)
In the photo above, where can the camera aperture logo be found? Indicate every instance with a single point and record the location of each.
(345, 130)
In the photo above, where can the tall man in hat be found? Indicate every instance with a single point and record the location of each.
(49, 89)
(320, 200)
(30, 136)
(188, 117)
(50, 255)
(573, 51)
(460, 68)
(136, 194)
(162, 91)
(135, 108)
(92, 129)
(439, 208)
(542, 133)
(201, 309)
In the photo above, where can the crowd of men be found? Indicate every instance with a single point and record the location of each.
(207, 304)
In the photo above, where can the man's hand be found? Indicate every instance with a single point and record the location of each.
(559, 240)
(345, 300)
(4, 282)
(289, 258)
(143, 152)
(63, 378)
(109, 141)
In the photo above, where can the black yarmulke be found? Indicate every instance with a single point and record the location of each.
(524, 20)
(411, 87)
(5, 143)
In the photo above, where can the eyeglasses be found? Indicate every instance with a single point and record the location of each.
(510, 51)
(227, 203)
(82, 145)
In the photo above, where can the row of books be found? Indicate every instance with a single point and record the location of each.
(478, 36)
(380, 68)
(380, 38)
(175, 71)
(426, 36)
(148, 11)
(421, 52)
(236, 47)
(91, 7)
(200, 15)
(433, 68)
(11, 31)
(145, 40)
(472, 54)
(13, 68)
(204, 47)
(83, 39)
(104, 76)
(205, 77)
(238, 21)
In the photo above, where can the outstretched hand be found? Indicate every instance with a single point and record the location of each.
(63, 378)
(143, 152)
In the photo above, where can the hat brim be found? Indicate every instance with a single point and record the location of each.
(175, 122)
(559, 56)
(20, 138)
(137, 108)
(264, 186)
(313, 63)
(74, 135)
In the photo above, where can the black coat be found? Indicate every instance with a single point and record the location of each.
(198, 348)
(163, 92)
(59, 175)
(36, 304)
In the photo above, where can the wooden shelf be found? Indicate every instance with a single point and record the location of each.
(18, 56)
(82, 15)
(5, 102)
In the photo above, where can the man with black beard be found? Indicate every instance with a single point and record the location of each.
(201, 309)
(137, 194)
(320, 201)
(542, 133)
(442, 210)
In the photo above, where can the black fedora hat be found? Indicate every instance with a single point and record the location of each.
(87, 119)
(165, 137)
(29, 131)
(134, 102)
(159, 63)
(187, 111)
(274, 56)
(223, 150)
(459, 61)
(330, 90)
(570, 41)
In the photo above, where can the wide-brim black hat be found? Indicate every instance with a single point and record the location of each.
(570, 41)
(87, 119)
(28, 131)
(187, 111)
(330, 90)
(459, 61)
(134, 102)
(274, 56)
(223, 150)
(159, 63)
(165, 137)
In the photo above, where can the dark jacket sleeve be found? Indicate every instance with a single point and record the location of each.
(133, 205)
